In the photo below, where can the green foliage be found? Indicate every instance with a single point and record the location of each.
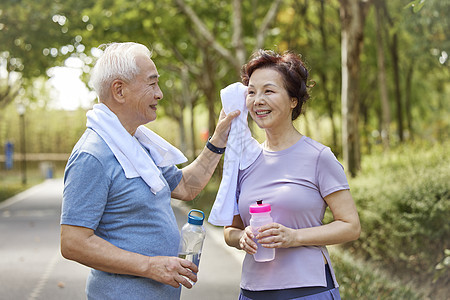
(416, 5)
(403, 199)
(442, 268)
(10, 189)
(360, 280)
(36, 35)
(27, 28)
(47, 131)
(11, 180)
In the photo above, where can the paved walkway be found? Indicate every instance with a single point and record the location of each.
(220, 266)
(31, 266)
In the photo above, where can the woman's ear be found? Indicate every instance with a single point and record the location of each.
(294, 102)
(117, 88)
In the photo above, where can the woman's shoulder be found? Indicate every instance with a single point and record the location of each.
(314, 150)
(313, 145)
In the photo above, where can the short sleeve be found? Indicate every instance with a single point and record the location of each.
(172, 175)
(85, 193)
(330, 173)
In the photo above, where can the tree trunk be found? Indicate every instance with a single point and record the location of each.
(238, 39)
(307, 131)
(263, 30)
(8, 90)
(398, 97)
(366, 132)
(323, 75)
(236, 57)
(352, 14)
(395, 64)
(385, 109)
(183, 142)
(192, 144)
(188, 98)
(409, 77)
(208, 86)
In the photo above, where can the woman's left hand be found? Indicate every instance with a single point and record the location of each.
(275, 235)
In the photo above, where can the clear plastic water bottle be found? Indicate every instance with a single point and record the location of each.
(192, 236)
(261, 216)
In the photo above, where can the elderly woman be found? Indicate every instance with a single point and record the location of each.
(299, 178)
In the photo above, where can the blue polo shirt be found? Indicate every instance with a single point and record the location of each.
(124, 212)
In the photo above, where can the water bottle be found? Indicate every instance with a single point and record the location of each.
(192, 236)
(261, 216)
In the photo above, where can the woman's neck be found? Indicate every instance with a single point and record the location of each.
(277, 141)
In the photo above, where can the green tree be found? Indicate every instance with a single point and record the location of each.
(353, 14)
(205, 41)
(428, 68)
(199, 47)
(309, 28)
(31, 35)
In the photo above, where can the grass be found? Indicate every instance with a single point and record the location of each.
(403, 202)
(361, 280)
(11, 184)
(11, 180)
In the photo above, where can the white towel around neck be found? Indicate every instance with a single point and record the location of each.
(242, 150)
(129, 150)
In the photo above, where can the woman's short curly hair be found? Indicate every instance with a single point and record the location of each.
(292, 69)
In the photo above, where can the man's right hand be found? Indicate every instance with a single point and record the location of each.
(82, 245)
(172, 271)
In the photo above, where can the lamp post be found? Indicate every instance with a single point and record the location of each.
(21, 111)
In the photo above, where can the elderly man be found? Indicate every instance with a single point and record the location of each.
(116, 214)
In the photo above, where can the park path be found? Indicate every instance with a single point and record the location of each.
(31, 266)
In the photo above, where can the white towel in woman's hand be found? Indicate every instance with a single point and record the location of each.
(242, 150)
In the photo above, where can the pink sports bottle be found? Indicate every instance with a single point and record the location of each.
(261, 216)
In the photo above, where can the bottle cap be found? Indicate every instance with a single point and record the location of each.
(259, 207)
(196, 220)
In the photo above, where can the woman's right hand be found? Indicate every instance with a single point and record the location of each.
(246, 241)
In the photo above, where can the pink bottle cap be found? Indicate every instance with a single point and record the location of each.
(259, 208)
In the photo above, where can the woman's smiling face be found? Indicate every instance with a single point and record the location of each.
(268, 101)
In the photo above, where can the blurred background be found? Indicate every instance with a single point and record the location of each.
(381, 102)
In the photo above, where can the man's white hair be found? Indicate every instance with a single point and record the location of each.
(118, 61)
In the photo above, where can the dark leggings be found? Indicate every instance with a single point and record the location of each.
(291, 293)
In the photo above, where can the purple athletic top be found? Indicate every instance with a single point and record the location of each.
(293, 181)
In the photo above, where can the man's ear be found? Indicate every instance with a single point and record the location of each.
(117, 90)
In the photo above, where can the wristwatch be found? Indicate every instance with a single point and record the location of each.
(214, 148)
